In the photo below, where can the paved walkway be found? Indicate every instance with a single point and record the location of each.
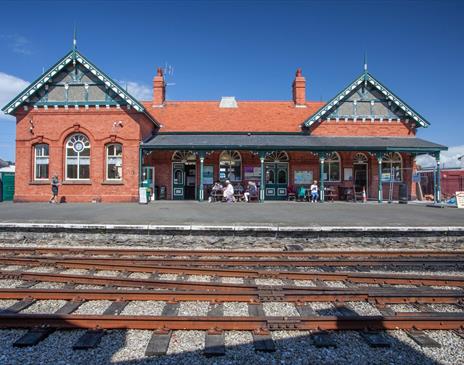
(253, 214)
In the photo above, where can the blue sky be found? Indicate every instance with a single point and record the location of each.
(249, 49)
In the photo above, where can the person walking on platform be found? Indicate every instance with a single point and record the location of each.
(55, 184)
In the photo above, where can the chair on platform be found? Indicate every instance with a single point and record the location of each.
(291, 193)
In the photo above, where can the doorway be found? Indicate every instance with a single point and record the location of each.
(276, 176)
(184, 181)
(148, 179)
(360, 178)
(190, 182)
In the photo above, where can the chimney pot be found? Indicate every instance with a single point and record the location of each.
(299, 89)
(159, 88)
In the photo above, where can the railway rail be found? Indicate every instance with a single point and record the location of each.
(380, 290)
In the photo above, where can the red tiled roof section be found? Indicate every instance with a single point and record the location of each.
(250, 116)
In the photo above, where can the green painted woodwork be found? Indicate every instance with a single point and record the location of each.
(73, 60)
(364, 80)
(7, 185)
(321, 177)
(178, 181)
(276, 179)
(379, 174)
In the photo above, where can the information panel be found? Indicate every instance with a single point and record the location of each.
(460, 199)
(303, 177)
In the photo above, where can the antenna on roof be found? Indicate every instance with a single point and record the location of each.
(168, 70)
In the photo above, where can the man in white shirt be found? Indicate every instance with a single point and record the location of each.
(229, 192)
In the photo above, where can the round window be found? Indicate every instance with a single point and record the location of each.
(78, 146)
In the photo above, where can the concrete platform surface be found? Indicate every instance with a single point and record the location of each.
(280, 214)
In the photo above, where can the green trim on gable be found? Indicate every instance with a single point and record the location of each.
(366, 77)
(73, 57)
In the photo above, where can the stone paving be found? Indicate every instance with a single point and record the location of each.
(297, 214)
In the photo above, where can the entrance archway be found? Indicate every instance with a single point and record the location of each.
(276, 175)
(184, 176)
(360, 173)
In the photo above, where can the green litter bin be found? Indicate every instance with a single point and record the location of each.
(7, 186)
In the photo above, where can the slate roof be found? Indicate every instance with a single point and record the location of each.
(301, 142)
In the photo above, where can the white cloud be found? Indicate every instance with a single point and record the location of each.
(138, 91)
(10, 86)
(17, 43)
(448, 158)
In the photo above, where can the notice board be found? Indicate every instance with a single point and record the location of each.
(460, 199)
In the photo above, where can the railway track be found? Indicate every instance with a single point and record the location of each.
(122, 277)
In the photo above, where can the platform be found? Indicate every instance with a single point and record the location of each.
(269, 214)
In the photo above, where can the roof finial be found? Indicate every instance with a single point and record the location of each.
(74, 38)
(365, 62)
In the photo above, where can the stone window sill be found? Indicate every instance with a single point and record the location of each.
(77, 182)
(111, 182)
(39, 182)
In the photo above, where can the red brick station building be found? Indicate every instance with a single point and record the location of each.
(78, 123)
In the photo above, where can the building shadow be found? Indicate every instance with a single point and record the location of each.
(127, 347)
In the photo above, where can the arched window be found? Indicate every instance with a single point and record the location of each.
(270, 176)
(77, 157)
(360, 158)
(183, 156)
(332, 167)
(114, 161)
(392, 167)
(230, 166)
(41, 161)
(280, 156)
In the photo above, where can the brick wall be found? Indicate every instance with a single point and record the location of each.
(54, 127)
(299, 161)
(363, 129)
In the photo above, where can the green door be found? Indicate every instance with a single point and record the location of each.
(8, 180)
(178, 181)
(276, 175)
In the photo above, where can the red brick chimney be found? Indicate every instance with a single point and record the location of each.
(299, 90)
(159, 88)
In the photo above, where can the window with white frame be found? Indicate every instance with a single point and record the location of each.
(41, 161)
(392, 167)
(114, 161)
(230, 166)
(332, 167)
(77, 157)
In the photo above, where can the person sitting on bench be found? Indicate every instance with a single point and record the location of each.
(229, 192)
(251, 191)
(314, 192)
(216, 191)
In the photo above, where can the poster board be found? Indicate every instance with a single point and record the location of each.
(348, 174)
(143, 196)
(208, 171)
(252, 172)
(460, 199)
(303, 177)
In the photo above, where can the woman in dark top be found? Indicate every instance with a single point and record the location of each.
(55, 184)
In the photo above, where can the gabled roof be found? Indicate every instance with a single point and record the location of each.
(248, 116)
(368, 78)
(74, 56)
